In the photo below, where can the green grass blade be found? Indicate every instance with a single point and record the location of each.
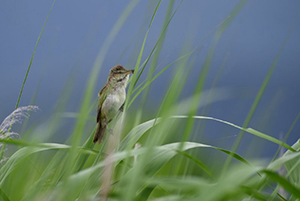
(83, 114)
(275, 165)
(159, 156)
(138, 131)
(22, 153)
(148, 82)
(199, 163)
(254, 193)
(207, 63)
(158, 43)
(249, 130)
(81, 158)
(3, 196)
(287, 135)
(257, 99)
(141, 89)
(295, 191)
(31, 60)
(134, 77)
(28, 69)
(156, 54)
(293, 166)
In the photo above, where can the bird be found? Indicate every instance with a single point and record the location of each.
(111, 99)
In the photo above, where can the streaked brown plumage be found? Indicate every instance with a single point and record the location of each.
(111, 99)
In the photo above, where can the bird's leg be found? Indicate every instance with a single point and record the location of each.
(108, 129)
(122, 107)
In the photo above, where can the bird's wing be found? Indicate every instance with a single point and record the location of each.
(102, 95)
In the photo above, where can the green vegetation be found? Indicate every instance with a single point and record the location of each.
(167, 165)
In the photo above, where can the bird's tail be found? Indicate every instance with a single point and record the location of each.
(99, 134)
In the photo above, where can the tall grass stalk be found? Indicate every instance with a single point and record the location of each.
(154, 60)
(28, 69)
(257, 100)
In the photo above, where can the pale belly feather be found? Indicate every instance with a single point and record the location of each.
(112, 104)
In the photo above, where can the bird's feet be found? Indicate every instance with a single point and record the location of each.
(110, 131)
(122, 108)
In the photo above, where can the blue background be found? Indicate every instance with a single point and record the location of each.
(76, 31)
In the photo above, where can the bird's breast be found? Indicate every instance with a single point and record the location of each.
(112, 103)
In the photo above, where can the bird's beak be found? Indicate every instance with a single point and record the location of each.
(128, 72)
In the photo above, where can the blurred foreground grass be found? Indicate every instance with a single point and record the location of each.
(151, 160)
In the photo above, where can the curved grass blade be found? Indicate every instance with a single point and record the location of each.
(201, 189)
(235, 178)
(275, 165)
(23, 153)
(291, 162)
(193, 186)
(295, 191)
(248, 130)
(138, 131)
(159, 155)
(199, 163)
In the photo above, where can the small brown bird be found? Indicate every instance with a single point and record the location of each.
(111, 99)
